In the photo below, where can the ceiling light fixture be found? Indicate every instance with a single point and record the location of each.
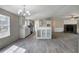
(73, 15)
(24, 12)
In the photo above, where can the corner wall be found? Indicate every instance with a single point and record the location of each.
(57, 24)
(14, 28)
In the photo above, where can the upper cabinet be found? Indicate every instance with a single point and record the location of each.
(44, 23)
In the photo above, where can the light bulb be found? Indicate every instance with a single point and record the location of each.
(27, 12)
(19, 11)
(24, 14)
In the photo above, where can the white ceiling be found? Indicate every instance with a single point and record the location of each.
(44, 11)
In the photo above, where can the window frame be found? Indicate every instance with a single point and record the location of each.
(6, 33)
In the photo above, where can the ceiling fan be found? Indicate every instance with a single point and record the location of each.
(73, 15)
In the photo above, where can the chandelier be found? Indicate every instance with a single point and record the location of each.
(24, 12)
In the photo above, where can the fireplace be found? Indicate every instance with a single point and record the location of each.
(71, 28)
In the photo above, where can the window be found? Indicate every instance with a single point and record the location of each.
(4, 26)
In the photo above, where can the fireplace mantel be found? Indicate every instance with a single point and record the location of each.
(70, 21)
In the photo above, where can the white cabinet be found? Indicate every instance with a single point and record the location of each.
(43, 33)
(24, 31)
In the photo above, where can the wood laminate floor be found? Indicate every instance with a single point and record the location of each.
(61, 43)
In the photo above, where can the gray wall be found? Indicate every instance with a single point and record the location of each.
(14, 28)
(58, 25)
(78, 45)
(78, 26)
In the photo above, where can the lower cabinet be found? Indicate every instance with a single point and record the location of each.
(43, 33)
(24, 32)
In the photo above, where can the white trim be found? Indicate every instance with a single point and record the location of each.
(58, 29)
(4, 34)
